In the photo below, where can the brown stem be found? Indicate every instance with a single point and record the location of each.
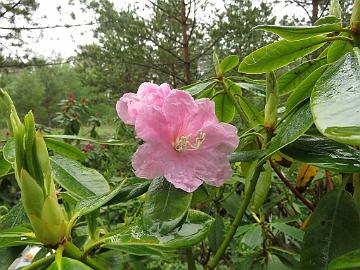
(329, 182)
(286, 181)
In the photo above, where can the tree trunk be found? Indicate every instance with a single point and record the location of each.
(315, 11)
(185, 41)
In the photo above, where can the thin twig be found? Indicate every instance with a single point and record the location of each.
(286, 181)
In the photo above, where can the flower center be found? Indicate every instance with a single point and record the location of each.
(183, 143)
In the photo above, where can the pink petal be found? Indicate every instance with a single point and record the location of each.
(148, 161)
(127, 108)
(151, 126)
(165, 89)
(180, 173)
(153, 94)
(178, 108)
(212, 167)
(221, 137)
(205, 114)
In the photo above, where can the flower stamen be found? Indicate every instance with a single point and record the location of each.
(183, 143)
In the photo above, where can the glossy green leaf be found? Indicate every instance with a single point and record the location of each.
(199, 87)
(304, 89)
(335, 8)
(327, 20)
(252, 113)
(80, 181)
(216, 63)
(5, 166)
(192, 231)
(291, 129)
(289, 230)
(89, 204)
(324, 153)
(217, 233)
(15, 217)
(8, 256)
(262, 188)
(111, 259)
(333, 230)
(228, 63)
(165, 206)
(130, 192)
(338, 48)
(274, 263)
(68, 264)
(224, 108)
(291, 79)
(279, 54)
(65, 149)
(79, 138)
(349, 260)
(246, 156)
(253, 237)
(335, 100)
(17, 236)
(257, 89)
(299, 32)
(9, 151)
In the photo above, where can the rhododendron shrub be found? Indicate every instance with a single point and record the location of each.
(265, 145)
(183, 139)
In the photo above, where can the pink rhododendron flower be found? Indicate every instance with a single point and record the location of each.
(148, 94)
(184, 141)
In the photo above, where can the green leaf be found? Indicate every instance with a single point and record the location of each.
(335, 100)
(165, 206)
(199, 87)
(245, 156)
(338, 48)
(328, 20)
(5, 166)
(299, 32)
(335, 8)
(279, 54)
(262, 188)
(191, 232)
(303, 90)
(65, 149)
(274, 263)
(17, 236)
(8, 256)
(291, 79)
(216, 64)
(9, 151)
(79, 138)
(80, 181)
(291, 129)
(224, 108)
(257, 89)
(228, 63)
(217, 233)
(129, 192)
(89, 204)
(289, 230)
(68, 264)
(253, 237)
(253, 115)
(111, 259)
(349, 260)
(15, 217)
(324, 153)
(333, 230)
